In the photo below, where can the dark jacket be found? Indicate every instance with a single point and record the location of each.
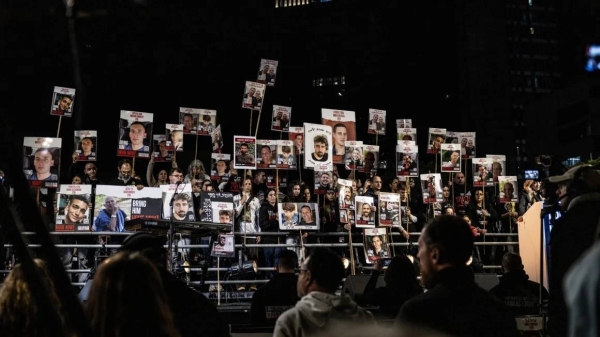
(519, 294)
(267, 220)
(388, 299)
(456, 305)
(130, 181)
(572, 234)
(274, 298)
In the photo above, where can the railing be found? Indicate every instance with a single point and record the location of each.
(224, 269)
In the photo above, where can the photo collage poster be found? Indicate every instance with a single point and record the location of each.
(323, 182)
(376, 122)
(217, 207)
(450, 158)
(482, 172)
(74, 207)
(217, 139)
(498, 166)
(407, 134)
(376, 244)
(267, 71)
(286, 155)
(245, 152)
(206, 122)
(343, 128)
(159, 149)
(86, 144)
(346, 201)
(296, 134)
(63, 100)
(508, 189)
(183, 205)
(389, 209)
(266, 153)
(253, 95)
(317, 138)
(370, 159)
(127, 203)
(436, 139)
(300, 215)
(365, 215)
(135, 134)
(431, 185)
(407, 160)
(403, 123)
(467, 144)
(189, 117)
(219, 165)
(354, 154)
(174, 133)
(282, 117)
(41, 161)
(451, 137)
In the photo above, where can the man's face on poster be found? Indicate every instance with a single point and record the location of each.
(470, 143)
(497, 169)
(340, 136)
(188, 122)
(376, 243)
(366, 210)
(299, 141)
(320, 149)
(75, 211)
(243, 149)
(43, 162)
(463, 142)
(437, 142)
(251, 91)
(110, 204)
(279, 115)
(224, 218)
(65, 103)
(162, 146)
(181, 208)
(375, 118)
(87, 145)
(137, 134)
(307, 215)
(325, 179)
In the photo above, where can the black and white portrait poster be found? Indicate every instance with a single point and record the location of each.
(323, 182)
(180, 197)
(253, 95)
(217, 139)
(482, 172)
(467, 144)
(431, 185)
(74, 208)
(346, 199)
(41, 161)
(508, 189)
(450, 158)
(86, 144)
(409, 134)
(216, 207)
(62, 102)
(207, 121)
(160, 150)
(174, 137)
(296, 134)
(224, 246)
(354, 154)
(370, 161)
(267, 71)
(365, 211)
(403, 123)
(317, 138)
(245, 152)
(343, 128)
(389, 209)
(282, 116)
(451, 137)
(376, 245)
(296, 216)
(436, 139)
(376, 122)
(189, 118)
(219, 165)
(266, 154)
(135, 134)
(286, 155)
(407, 160)
(498, 166)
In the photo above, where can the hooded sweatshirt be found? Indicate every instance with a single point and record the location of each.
(318, 312)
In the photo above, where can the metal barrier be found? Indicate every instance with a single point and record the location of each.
(274, 245)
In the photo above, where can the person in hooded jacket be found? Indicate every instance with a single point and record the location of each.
(319, 309)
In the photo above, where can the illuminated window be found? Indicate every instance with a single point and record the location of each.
(532, 30)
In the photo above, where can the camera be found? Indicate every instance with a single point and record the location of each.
(386, 262)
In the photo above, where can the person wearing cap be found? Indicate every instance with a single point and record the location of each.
(572, 234)
(194, 314)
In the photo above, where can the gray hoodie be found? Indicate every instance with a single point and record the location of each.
(318, 312)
